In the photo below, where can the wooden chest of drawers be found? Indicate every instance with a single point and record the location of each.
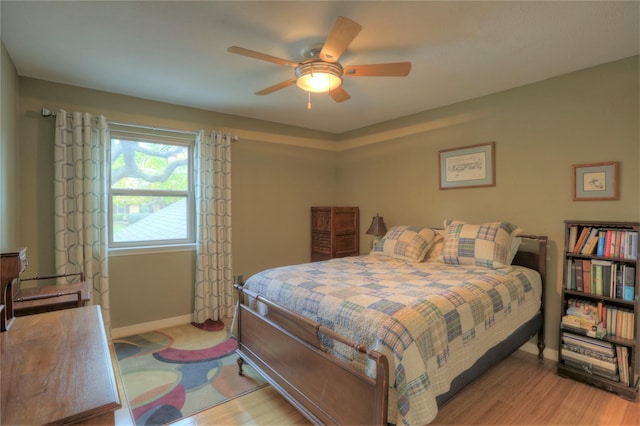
(57, 369)
(12, 263)
(335, 232)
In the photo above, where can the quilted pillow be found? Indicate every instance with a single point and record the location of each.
(487, 244)
(406, 242)
(435, 253)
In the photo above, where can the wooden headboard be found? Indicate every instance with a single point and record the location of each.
(532, 254)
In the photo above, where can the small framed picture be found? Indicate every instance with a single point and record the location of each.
(596, 181)
(467, 167)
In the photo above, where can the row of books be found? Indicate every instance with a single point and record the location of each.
(598, 320)
(596, 357)
(606, 242)
(601, 278)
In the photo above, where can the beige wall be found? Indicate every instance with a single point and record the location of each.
(540, 130)
(9, 153)
(273, 187)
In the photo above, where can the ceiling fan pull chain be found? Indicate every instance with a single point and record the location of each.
(309, 101)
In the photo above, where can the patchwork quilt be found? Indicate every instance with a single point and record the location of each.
(430, 319)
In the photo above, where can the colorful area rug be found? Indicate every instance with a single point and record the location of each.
(175, 372)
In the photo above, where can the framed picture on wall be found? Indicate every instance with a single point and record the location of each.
(595, 181)
(468, 167)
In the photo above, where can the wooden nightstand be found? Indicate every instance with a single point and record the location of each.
(12, 263)
(335, 232)
(35, 300)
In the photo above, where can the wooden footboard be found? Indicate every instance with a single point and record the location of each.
(285, 348)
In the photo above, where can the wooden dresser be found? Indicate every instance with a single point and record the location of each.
(335, 232)
(12, 264)
(57, 369)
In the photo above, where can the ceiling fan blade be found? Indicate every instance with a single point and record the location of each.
(262, 56)
(339, 94)
(393, 69)
(342, 33)
(276, 87)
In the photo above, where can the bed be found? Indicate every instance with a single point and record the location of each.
(388, 337)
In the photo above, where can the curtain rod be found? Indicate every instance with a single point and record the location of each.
(48, 113)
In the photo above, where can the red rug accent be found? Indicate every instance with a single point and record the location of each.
(197, 355)
(209, 325)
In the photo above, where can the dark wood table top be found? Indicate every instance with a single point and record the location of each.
(57, 368)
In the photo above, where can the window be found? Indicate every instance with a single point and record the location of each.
(151, 195)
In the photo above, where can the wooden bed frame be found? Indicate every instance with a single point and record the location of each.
(285, 348)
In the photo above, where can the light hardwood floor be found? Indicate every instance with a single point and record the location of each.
(518, 391)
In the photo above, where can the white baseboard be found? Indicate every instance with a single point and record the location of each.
(145, 327)
(532, 348)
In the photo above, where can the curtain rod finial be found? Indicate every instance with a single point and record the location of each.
(47, 113)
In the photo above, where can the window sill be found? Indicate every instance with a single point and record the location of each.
(132, 251)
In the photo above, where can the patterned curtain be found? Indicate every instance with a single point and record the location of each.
(214, 272)
(80, 178)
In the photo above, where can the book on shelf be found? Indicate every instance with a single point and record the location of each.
(602, 237)
(595, 345)
(619, 322)
(579, 275)
(623, 364)
(573, 237)
(595, 356)
(598, 320)
(610, 367)
(591, 369)
(618, 243)
(603, 241)
(583, 308)
(582, 326)
(628, 282)
(619, 283)
(570, 277)
(589, 353)
(631, 251)
(586, 276)
(590, 242)
(613, 279)
(621, 244)
(581, 238)
(601, 277)
(612, 243)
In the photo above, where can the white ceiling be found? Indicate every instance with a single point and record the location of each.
(176, 51)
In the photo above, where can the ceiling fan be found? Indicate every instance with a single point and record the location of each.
(320, 70)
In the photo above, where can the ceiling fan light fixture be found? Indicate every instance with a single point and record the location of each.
(318, 76)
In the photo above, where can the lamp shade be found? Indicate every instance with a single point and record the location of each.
(377, 227)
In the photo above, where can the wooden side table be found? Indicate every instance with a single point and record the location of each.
(12, 263)
(57, 369)
(335, 232)
(35, 300)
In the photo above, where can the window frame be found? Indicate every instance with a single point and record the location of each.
(154, 136)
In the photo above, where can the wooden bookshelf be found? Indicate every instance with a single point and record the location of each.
(598, 338)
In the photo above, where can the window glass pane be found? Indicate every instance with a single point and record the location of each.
(149, 166)
(138, 218)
